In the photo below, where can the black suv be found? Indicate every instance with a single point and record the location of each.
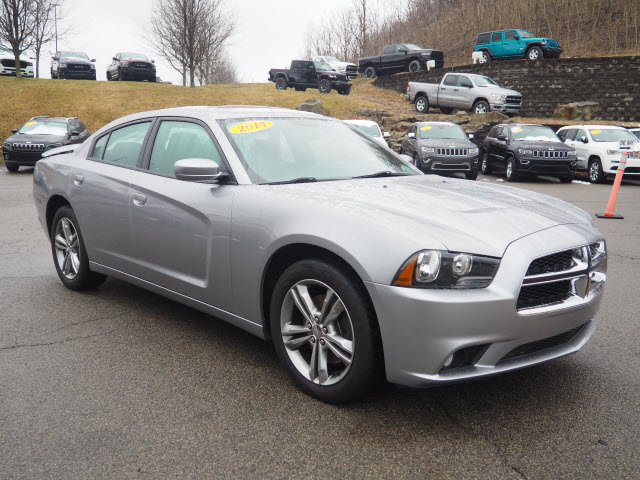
(524, 149)
(40, 134)
(131, 66)
(68, 65)
(305, 74)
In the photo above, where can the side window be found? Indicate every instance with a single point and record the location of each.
(451, 80)
(500, 131)
(98, 148)
(492, 133)
(178, 140)
(562, 134)
(389, 49)
(73, 127)
(483, 39)
(496, 37)
(510, 35)
(124, 144)
(570, 134)
(464, 81)
(581, 133)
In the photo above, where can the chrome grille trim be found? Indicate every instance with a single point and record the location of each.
(550, 154)
(451, 152)
(28, 147)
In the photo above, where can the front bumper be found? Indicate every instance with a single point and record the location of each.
(551, 52)
(441, 164)
(25, 159)
(11, 72)
(551, 167)
(506, 107)
(632, 168)
(138, 74)
(74, 74)
(340, 84)
(422, 328)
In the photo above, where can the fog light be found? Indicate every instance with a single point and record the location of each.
(448, 361)
(525, 162)
(573, 164)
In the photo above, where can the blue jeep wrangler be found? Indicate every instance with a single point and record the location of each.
(515, 44)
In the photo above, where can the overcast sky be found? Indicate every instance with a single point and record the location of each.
(270, 33)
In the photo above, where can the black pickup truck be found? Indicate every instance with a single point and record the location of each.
(402, 57)
(305, 74)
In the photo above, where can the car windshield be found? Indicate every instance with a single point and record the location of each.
(74, 55)
(434, 131)
(636, 133)
(526, 34)
(483, 81)
(331, 59)
(133, 56)
(275, 150)
(535, 133)
(44, 127)
(371, 130)
(611, 135)
(322, 66)
(411, 46)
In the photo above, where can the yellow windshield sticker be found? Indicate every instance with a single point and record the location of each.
(29, 123)
(516, 130)
(426, 127)
(595, 132)
(250, 127)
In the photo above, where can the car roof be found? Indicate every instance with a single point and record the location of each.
(435, 123)
(362, 122)
(588, 126)
(57, 119)
(521, 125)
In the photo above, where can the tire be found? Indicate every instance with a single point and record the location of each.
(301, 89)
(345, 91)
(120, 76)
(416, 160)
(447, 111)
(512, 170)
(152, 79)
(485, 167)
(415, 66)
(568, 179)
(370, 72)
(481, 107)
(108, 77)
(281, 83)
(596, 174)
(12, 167)
(69, 253)
(472, 175)
(486, 57)
(422, 104)
(534, 54)
(353, 332)
(324, 86)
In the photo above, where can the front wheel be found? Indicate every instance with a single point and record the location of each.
(281, 83)
(11, 167)
(422, 104)
(512, 170)
(596, 174)
(69, 255)
(415, 66)
(485, 167)
(370, 72)
(344, 91)
(481, 107)
(324, 86)
(568, 179)
(120, 76)
(534, 53)
(325, 331)
(472, 175)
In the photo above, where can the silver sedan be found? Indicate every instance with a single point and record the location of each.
(302, 230)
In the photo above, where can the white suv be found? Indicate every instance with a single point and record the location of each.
(598, 149)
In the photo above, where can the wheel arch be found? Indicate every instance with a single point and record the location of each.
(53, 205)
(479, 99)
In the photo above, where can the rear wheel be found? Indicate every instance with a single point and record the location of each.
(415, 66)
(481, 107)
(324, 86)
(69, 254)
(485, 167)
(11, 167)
(534, 53)
(512, 170)
(370, 72)
(486, 57)
(422, 104)
(281, 83)
(596, 174)
(325, 331)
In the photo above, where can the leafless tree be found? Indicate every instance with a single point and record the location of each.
(189, 32)
(43, 26)
(17, 27)
(218, 70)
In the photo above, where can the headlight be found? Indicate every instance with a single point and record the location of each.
(62, 65)
(499, 97)
(523, 151)
(92, 67)
(571, 154)
(439, 269)
(332, 76)
(124, 64)
(613, 152)
(427, 149)
(6, 145)
(55, 145)
(543, 42)
(473, 151)
(598, 253)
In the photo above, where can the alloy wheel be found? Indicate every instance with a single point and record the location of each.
(421, 104)
(317, 332)
(509, 169)
(481, 108)
(67, 247)
(594, 172)
(533, 54)
(484, 164)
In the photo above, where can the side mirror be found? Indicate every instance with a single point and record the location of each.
(386, 135)
(153, 61)
(516, 37)
(93, 60)
(54, 58)
(471, 136)
(502, 138)
(584, 139)
(75, 134)
(15, 130)
(114, 59)
(197, 170)
(411, 135)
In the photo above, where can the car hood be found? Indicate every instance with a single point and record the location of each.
(463, 216)
(542, 145)
(550, 41)
(340, 65)
(446, 142)
(501, 90)
(75, 61)
(23, 138)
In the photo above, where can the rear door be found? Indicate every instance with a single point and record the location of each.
(582, 148)
(496, 43)
(447, 91)
(180, 229)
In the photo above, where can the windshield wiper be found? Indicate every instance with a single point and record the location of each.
(295, 180)
(385, 173)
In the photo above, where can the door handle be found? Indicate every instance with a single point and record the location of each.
(139, 199)
(456, 90)
(78, 179)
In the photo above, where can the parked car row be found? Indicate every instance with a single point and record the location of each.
(124, 66)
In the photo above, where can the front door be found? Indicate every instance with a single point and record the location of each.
(181, 230)
(496, 43)
(513, 44)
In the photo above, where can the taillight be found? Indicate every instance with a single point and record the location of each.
(408, 90)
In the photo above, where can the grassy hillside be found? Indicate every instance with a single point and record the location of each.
(97, 103)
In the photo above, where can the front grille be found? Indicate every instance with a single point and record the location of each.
(141, 65)
(28, 147)
(544, 294)
(79, 67)
(550, 154)
(437, 55)
(557, 262)
(451, 152)
(454, 167)
(543, 344)
(352, 69)
(514, 100)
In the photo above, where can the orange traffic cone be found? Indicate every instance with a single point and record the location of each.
(611, 205)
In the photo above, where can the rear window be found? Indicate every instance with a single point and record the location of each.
(483, 38)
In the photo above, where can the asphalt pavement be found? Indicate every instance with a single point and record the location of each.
(122, 383)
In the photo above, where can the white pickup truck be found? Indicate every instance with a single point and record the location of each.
(464, 91)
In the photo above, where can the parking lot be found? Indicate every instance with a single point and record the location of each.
(122, 383)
